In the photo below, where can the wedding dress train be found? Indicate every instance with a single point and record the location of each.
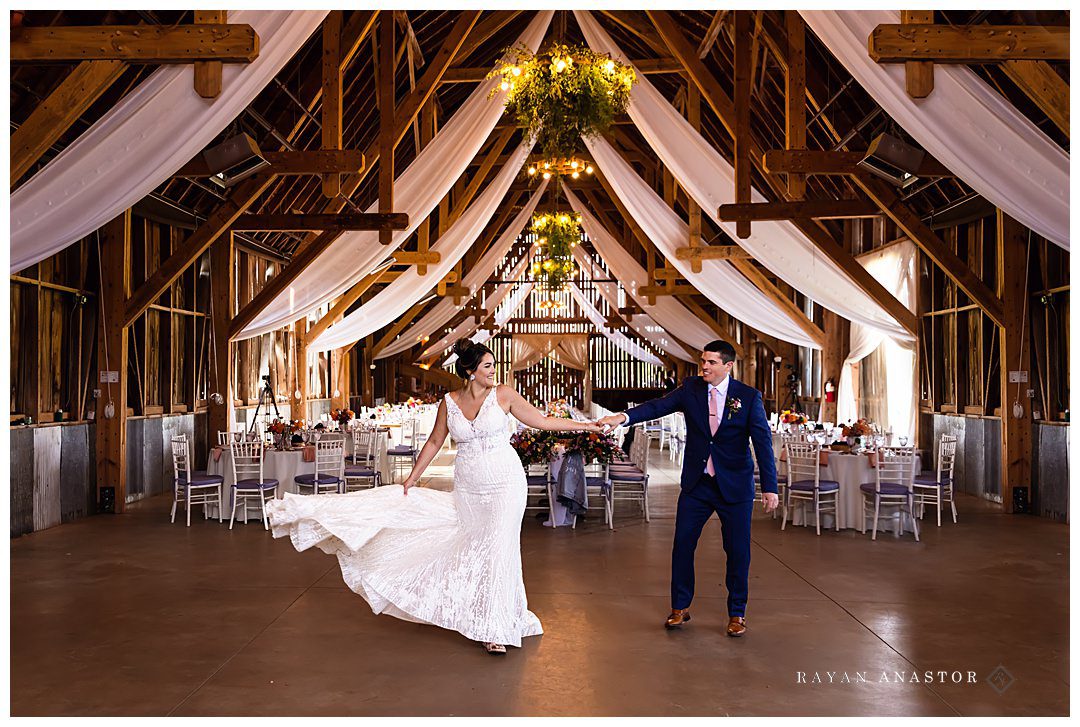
(451, 559)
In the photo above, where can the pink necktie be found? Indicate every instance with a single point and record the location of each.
(714, 424)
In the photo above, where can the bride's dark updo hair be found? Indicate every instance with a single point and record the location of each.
(468, 356)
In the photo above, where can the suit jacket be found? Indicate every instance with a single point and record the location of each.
(729, 447)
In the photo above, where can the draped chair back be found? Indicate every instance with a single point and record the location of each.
(247, 460)
(895, 465)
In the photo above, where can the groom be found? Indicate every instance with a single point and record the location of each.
(722, 417)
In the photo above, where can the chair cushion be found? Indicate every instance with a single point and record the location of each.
(887, 488)
(254, 484)
(930, 478)
(359, 472)
(808, 485)
(312, 479)
(536, 479)
(401, 449)
(200, 479)
(628, 476)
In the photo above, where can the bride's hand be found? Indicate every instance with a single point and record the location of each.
(593, 427)
(407, 484)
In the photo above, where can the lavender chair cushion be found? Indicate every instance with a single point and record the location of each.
(200, 479)
(536, 479)
(359, 472)
(930, 478)
(628, 476)
(401, 449)
(313, 479)
(254, 484)
(887, 488)
(808, 485)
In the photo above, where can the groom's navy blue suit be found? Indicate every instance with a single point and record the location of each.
(730, 494)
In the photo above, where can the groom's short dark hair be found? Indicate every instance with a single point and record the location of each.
(725, 349)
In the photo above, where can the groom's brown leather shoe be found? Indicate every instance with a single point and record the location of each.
(736, 626)
(678, 617)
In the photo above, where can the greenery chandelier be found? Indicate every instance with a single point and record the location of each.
(562, 94)
(557, 236)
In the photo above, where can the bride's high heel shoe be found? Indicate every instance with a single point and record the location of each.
(495, 648)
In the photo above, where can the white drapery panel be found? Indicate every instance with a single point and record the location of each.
(894, 268)
(718, 280)
(396, 298)
(468, 329)
(416, 191)
(139, 143)
(621, 341)
(573, 351)
(668, 312)
(710, 181)
(445, 309)
(642, 324)
(526, 349)
(965, 124)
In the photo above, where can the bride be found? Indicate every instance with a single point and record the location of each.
(451, 559)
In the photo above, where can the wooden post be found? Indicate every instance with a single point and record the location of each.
(223, 292)
(919, 74)
(111, 431)
(303, 374)
(208, 73)
(795, 92)
(1016, 435)
(331, 95)
(693, 115)
(837, 347)
(742, 115)
(385, 85)
(339, 378)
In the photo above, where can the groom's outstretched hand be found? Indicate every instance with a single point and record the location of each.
(611, 421)
(771, 500)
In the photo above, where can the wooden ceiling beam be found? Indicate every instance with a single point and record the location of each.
(341, 305)
(823, 209)
(331, 95)
(899, 43)
(484, 30)
(810, 161)
(743, 80)
(340, 222)
(1046, 89)
(711, 252)
(795, 95)
(314, 161)
(758, 278)
(229, 43)
(208, 74)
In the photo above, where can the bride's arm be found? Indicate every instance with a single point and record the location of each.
(530, 416)
(430, 449)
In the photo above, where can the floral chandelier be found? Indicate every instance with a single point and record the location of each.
(562, 94)
(557, 236)
(573, 167)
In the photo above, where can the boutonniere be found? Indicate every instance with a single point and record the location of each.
(733, 407)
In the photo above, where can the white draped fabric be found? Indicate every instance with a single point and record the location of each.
(718, 280)
(416, 192)
(468, 329)
(710, 181)
(526, 349)
(965, 124)
(573, 351)
(621, 341)
(445, 309)
(395, 299)
(139, 143)
(667, 312)
(894, 268)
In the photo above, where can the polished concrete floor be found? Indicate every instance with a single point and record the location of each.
(129, 615)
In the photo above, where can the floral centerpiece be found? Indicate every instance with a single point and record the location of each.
(861, 428)
(562, 94)
(558, 408)
(533, 446)
(342, 416)
(412, 403)
(594, 447)
(788, 416)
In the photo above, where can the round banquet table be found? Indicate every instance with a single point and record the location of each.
(850, 470)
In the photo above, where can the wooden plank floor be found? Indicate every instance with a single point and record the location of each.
(129, 615)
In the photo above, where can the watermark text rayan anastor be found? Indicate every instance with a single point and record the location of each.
(886, 677)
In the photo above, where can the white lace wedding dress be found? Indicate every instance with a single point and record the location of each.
(452, 559)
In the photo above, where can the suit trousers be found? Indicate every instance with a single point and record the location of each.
(695, 508)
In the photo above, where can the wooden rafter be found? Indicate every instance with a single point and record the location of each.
(314, 161)
(342, 304)
(1046, 89)
(340, 222)
(743, 79)
(55, 115)
(781, 161)
(758, 278)
(912, 41)
(711, 252)
(331, 95)
(384, 84)
(795, 95)
(242, 197)
(824, 209)
(958, 271)
(229, 43)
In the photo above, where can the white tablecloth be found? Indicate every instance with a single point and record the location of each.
(850, 470)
